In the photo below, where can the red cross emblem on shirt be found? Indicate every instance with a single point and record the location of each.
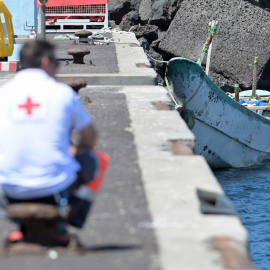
(29, 106)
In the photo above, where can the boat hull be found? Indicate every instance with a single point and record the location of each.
(227, 134)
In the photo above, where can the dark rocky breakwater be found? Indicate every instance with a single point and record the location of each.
(170, 28)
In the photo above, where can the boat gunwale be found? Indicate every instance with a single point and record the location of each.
(218, 91)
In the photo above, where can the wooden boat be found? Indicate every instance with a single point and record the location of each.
(227, 134)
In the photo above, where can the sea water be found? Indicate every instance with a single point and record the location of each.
(249, 190)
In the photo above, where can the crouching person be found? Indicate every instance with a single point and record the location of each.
(37, 117)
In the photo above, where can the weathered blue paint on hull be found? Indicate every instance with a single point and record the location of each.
(227, 134)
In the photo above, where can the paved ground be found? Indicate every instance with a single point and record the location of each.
(114, 232)
(103, 57)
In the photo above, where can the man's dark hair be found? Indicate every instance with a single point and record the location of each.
(33, 51)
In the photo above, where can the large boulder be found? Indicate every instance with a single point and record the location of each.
(129, 20)
(119, 8)
(242, 34)
(145, 10)
(163, 11)
(155, 43)
(158, 12)
(155, 59)
(149, 32)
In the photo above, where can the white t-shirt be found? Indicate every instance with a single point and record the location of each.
(37, 115)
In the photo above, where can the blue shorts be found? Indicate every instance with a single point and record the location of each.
(77, 196)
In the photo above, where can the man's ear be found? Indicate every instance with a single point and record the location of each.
(44, 63)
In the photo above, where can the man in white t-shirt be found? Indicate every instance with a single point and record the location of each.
(37, 116)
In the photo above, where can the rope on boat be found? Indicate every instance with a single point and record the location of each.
(197, 89)
(211, 32)
(254, 63)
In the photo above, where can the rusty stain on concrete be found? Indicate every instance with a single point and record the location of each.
(162, 106)
(179, 148)
(234, 255)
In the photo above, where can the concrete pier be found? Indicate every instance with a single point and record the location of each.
(147, 215)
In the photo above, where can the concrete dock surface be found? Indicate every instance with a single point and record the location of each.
(147, 214)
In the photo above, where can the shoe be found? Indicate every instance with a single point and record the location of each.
(15, 236)
(60, 239)
(61, 236)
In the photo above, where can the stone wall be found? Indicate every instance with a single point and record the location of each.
(169, 28)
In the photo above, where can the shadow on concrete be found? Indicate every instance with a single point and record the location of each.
(111, 247)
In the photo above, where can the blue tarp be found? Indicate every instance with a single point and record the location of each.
(253, 102)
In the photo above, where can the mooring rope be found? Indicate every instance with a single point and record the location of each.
(158, 61)
(177, 106)
(114, 30)
(118, 30)
(97, 38)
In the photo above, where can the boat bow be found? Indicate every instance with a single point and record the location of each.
(227, 133)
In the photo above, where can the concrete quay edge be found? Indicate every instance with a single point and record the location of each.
(183, 233)
(103, 79)
(171, 182)
(113, 79)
